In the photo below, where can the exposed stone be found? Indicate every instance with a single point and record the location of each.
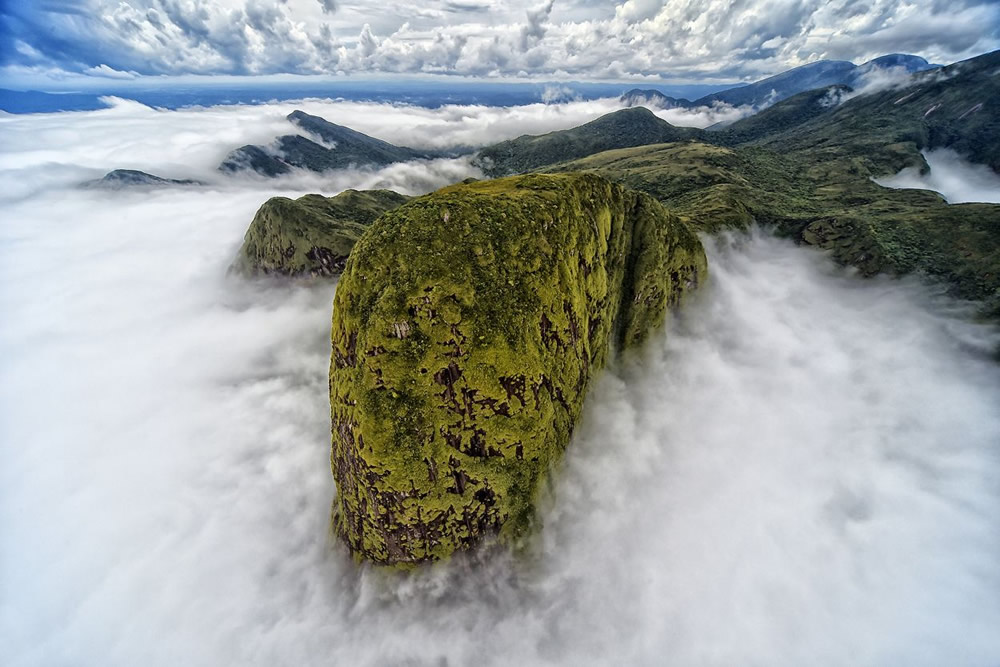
(467, 327)
(312, 235)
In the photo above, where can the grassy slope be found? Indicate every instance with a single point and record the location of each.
(805, 166)
(629, 127)
(832, 204)
(956, 107)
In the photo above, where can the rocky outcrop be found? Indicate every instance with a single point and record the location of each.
(311, 235)
(467, 327)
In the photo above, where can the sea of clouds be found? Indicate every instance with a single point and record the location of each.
(950, 175)
(802, 469)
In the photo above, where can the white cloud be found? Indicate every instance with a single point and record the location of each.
(804, 461)
(109, 73)
(704, 116)
(558, 93)
(949, 174)
(367, 42)
(679, 39)
(190, 143)
(534, 30)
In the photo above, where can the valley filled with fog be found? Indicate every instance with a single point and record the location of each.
(955, 179)
(800, 469)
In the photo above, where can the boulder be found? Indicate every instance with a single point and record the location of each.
(467, 327)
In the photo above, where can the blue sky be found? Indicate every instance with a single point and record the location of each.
(53, 40)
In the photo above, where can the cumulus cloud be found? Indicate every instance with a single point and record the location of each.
(803, 460)
(638, 38)
(534, 30)
(367, 42)
(950, 175)
(109, 73)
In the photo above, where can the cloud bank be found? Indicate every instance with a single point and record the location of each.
(952, 176)
(572, 38)
(191, 142)
(801, 470)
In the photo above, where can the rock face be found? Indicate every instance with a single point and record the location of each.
(467, 327)
(311, 235)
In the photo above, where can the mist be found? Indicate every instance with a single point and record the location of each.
(950, 175)
(801, 469)
(702, 117)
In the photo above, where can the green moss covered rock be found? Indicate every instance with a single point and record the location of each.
(311, 235)
(467, 327)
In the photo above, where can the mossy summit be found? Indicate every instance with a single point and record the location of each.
(467, 327)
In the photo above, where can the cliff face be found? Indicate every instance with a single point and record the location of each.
(467, 327)
(311, 235)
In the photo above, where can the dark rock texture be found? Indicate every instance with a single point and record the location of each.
(312, 235)
(467, 328)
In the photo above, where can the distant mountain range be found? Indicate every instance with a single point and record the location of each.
(806, 166)
(341, 147)
(782, 86)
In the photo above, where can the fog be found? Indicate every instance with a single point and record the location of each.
(952, 176)
(802, 469)
(45, 151)
(704, 116)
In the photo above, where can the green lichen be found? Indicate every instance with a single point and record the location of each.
(467, 327)
(312, 235)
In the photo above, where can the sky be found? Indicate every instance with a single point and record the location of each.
(653, 40)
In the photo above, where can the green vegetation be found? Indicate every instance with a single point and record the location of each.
(629, 127)
(805, 166)
(833, 205)
(467, 327)
(955, 107)
(469, 323)
(312, 235)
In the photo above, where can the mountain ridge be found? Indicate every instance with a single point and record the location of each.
(785, 84)
(344, 147)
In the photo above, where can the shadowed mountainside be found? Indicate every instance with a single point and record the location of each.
(786, 84)
(341, 148)
(629, 127)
